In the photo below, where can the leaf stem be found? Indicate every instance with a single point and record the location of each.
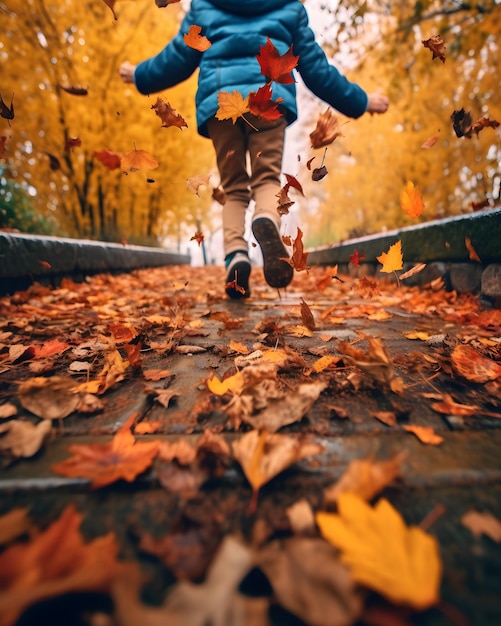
(250, 124)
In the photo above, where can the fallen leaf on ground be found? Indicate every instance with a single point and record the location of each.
(482, 524)
(54, 562)
(263, 456)
(470, 364)
(365, 478)
(215, 601)
(49, 398)
(309, 581)
(23, 439)
(400, 563)
(425, 434)
(387, 417)
(104, 464)
(301, 518)
(233, 384)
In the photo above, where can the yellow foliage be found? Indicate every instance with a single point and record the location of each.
(401, 563)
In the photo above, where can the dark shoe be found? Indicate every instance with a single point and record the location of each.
(277, 272)
(237, 277)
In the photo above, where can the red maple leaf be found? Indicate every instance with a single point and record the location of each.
(261, 105)
(108, 158)
(356, 257)
(275, 66)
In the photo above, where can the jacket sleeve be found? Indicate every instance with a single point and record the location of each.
(321, 77)
(174, 64)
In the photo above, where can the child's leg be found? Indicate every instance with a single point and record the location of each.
(230, 144)
(266, 151)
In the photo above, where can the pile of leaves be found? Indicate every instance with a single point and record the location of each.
(65, 354)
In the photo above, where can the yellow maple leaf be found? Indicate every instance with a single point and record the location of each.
(231, 105)
(392, 260)
(411, 200)
(233, 384)
(399, 562)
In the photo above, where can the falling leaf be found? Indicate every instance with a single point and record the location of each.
(482, 524)
(461, 122)
(294, 183)
(261, 104)
(411, 200)
(366, 478)
(415, 269)
(168, 114)
(326, 130)
(298, 257)
(198, 237)
(309, 581)
(73, 142)
(274, 66)
(5, 111)
(111, 5)
(231, 105)
(76, 91)
(54, 563)
(136, 160)
(357, 257)
(425, 434)
(483, 122)
(194, 183)
(23, 439)
(402, 564)
(284, 202)
(470, 364)
(319, 173)
(307, 316)
(471, 250)
(104, 464)
(263, 456)
(449, 407)
(54, 162)
(193, 39)
(429, 143)
(112, 160)
(391, 260)
(437, 46)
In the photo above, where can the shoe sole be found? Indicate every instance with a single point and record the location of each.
(240, 273)
(277, 272)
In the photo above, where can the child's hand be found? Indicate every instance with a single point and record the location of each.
(126, 72)
(378, 103)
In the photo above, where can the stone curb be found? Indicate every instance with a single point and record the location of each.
(439, 244)
(25, 259)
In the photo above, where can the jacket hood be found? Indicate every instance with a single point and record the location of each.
(248, 7)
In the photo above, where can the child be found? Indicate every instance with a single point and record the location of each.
(237, 29)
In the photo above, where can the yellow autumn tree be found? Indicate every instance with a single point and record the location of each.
(60, 60)
(370, 165)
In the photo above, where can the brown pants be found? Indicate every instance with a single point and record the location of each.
(260, 183)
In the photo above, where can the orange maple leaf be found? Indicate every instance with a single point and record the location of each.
(168, 114)
(136, 160)
(437, 46)
(193, 39)
(326, 130)
(392, 260)
(108, 158)
(54, 562)
(411, 200)
(261, 105)
(275, 66)
(231, 105)
(104, 464)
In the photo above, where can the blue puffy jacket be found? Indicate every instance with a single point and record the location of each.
(236, 30)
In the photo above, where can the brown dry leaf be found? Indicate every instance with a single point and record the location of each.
(136, 160)
(366, 478)
(49, 398)
(437, 46)
(168, 114)
(387, 417)
(307, 316)
(236, 346)
(309, 581)
(482, 524)
(301, 518)
(147, 428)
(7, 410)
(194, 183)
(425, 434)
(14, 524)
(215, 601)
(430, 142)
(55, 562)
(263, 456)
(156, 375)
(24, 439)
(375, 362)
(193, 39)
(104, 464)
(419, 267)
(470, 364)
(164, 396)
(299, 257)
(448, 406)
(483, 122)
(326, 130)
(284, 202)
